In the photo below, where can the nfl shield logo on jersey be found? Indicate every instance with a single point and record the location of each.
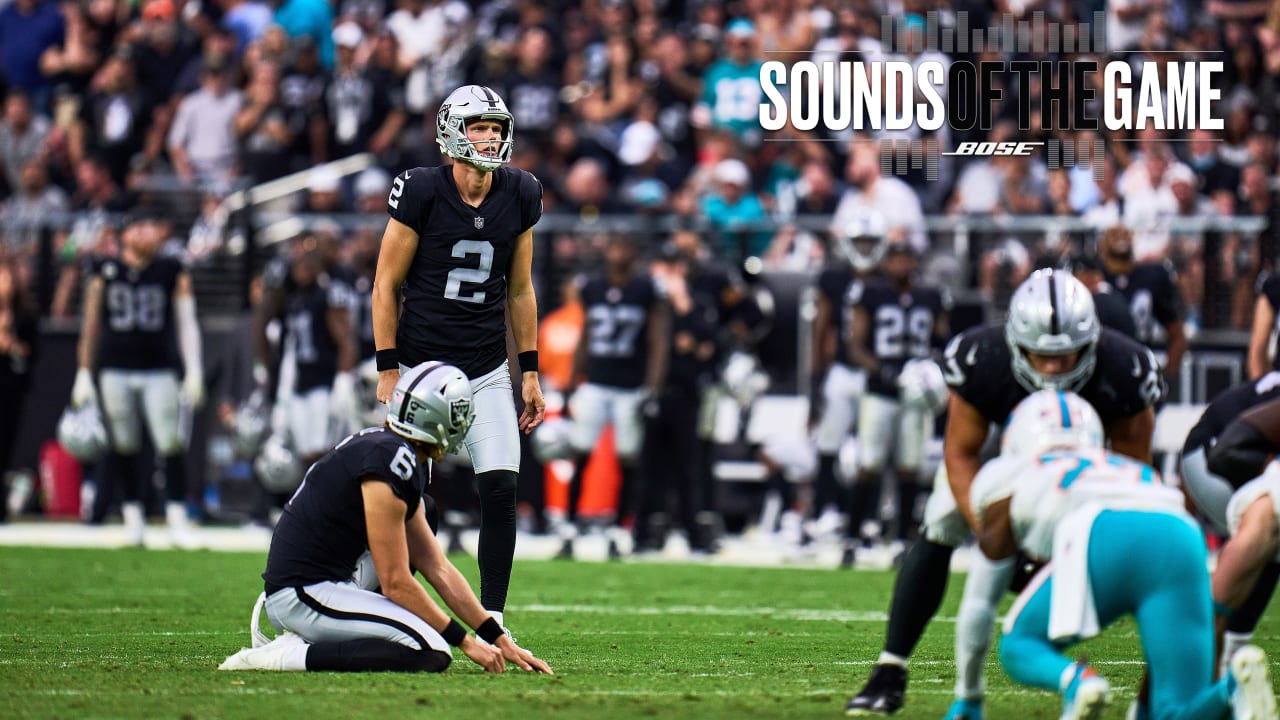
(479, 223)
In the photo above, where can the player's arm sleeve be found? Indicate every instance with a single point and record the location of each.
(395, 465)
(410, 197)
(530, 201)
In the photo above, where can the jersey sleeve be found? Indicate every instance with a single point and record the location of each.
(1271, 290)
(397, 465)
(1168, 307)
(994, 482)
(530, 190)
(410, 198)
(1134, 374)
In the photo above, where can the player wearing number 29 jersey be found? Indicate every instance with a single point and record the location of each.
(459, 246)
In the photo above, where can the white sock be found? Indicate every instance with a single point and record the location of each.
(888, 658)
(1067, 676)
(295, 658)
(983, 588)
(1231, 642)
(175, 514)
(135, 521)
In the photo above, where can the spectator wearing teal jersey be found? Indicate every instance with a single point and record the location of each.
(313, 18)
(731, 93)
(735, 213)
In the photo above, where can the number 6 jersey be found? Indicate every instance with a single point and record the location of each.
(137, 314)
(456, 289)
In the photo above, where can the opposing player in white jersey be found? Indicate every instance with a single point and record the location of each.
(1057, 494)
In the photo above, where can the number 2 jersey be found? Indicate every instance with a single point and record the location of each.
(1125, 381)
(456, 288)
(1047, 488)
(900, 327)
(322, 532)
(137, 329)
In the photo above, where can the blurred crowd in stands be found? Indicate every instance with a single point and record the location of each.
(643, 107)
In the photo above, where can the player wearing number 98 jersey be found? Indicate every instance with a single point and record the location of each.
(139, 322)
(459, 246)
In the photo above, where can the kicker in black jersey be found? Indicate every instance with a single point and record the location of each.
(456, 289)
(137, 314)
(1125, 381)
(901, 326)
(616, 332)
(322, 533)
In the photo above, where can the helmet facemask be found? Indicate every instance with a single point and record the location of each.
(1052, 313)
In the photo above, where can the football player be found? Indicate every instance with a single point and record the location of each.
(459, 245)
(1051, 339)
(139, 327)
(893, 321)
(1152, 291)
(1263, 338)
(858, 248)
(368, 491)
(619, 369)
(1055, 492)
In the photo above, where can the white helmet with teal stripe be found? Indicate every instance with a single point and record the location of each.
(1052, 420)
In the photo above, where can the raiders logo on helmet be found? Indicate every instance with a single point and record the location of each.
(460, 414)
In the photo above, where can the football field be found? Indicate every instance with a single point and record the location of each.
(134, 633)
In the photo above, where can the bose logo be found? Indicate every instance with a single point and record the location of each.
(990, 148)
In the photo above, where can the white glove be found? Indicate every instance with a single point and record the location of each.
(342, 399)
(83, 391)
(193, 389)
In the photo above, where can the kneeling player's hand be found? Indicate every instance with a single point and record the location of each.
(521, 657)
(484, 655)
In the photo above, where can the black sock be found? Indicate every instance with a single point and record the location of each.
(122, 472)
(497, 536)
(575, 488)
(777, 482)
(824, 484)
(175, 478)
(628, 490)
(374, 655)
(862, 505)
(907, 493)
(1245, 619)
(917, 594)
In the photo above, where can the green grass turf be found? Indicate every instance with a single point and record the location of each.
(112, 633)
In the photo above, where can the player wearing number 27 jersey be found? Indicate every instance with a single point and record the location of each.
(459, 246)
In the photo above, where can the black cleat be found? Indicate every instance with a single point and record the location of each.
(566, 551)
(614, 552)
(849, 556)
(882, 694)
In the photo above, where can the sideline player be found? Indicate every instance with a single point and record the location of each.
(894, 321)
(1051, 340)
(139, 327)
(369, 491)
(459, 245)
(1056, 493)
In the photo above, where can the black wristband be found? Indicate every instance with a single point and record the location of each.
(489, 631)
(528, 361)
(454, 633)
(387, 359)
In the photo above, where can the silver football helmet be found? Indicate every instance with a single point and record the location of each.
(467, 103)
(550, 440)
(277, 466)
(82, 433)
(1052, 313)
(249, 425)
(432, 404)
(862, 241)
(921, 384)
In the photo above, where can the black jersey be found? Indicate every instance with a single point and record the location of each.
(1228, 406)
(1113, 311)
(900, 327)
(315, 350)
(689, 370)
(1125, 381)
(137, 314)
(1269, 288)
(456, 288)
(617, 329)
(1154, 300)
(322, 533)
(837, 284)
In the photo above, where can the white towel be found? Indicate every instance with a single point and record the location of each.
(1072, 613)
